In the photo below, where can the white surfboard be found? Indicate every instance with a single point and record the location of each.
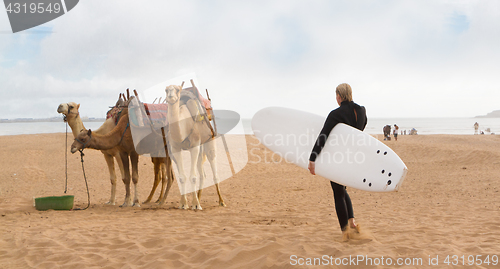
(350, 157)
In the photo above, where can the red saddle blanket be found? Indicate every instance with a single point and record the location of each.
(157, 113)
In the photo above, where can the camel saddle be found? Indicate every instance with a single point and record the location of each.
(203, 106)
(153, 117)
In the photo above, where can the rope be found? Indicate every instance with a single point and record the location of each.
(86, 184)
(83, 168)
(123, 135)
(66, 159)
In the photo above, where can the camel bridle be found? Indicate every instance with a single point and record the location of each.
(65, 117)
(84, 144)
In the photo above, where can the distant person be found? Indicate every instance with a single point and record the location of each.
(387, 132)
(476, 128)
(351, 114)
(395, 133)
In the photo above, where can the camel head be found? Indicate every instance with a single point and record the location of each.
(68, 109)
(81, 141)
(173, 93)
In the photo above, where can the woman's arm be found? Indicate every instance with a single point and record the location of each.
(330, 122)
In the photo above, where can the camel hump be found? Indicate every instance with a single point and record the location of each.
(186, 95)
(198, 106)
(193, 93)
(190, 97)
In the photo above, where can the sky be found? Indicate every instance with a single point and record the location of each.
(402, 58)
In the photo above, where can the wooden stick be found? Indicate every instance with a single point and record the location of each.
(136, 96)
(159, 101)
(128, 94)
(155, 100)
(224, 142)
(182, 84)
(192, 83)
(208, 96)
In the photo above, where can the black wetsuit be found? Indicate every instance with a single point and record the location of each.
(344, 114)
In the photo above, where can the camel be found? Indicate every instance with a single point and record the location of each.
(121, 138)
(72, 116)
(162, 166)
(186, 133)
(162, 171)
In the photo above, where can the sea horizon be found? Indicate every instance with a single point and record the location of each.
(451, 125)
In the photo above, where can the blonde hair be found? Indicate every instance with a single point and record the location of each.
(345, 92)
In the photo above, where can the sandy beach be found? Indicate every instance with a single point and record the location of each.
(277, 214)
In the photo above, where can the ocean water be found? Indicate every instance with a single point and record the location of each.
(463, 126)
(18, 128)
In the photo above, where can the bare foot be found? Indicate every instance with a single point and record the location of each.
(357, 228)
(353, 224)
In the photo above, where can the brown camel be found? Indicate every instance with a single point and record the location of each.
(72, 116)
(163, 171)
(187, 133)
(162, 166)
(121, 138)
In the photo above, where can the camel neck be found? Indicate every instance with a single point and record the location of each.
(111, 139)
(76, 125)
(174, 121)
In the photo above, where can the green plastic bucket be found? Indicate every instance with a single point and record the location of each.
(54, 202)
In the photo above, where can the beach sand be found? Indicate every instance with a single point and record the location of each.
(277, 214)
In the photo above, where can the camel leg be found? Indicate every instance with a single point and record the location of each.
(156, 180)
(163, 175)
(170, 179)
(119, 161)
(194, 152)
(126, 179)
(182, 178)
(212, 159)
(134, 159)
(112, 176)
(200, 170)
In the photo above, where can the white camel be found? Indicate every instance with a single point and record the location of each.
(186, 133)
(72, 116)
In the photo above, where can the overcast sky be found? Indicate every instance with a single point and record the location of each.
(402, 58)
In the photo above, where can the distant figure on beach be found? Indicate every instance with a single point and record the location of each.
(413, 131)
(476, 128)
(396, 131)
(354, 115)
(387, 132)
